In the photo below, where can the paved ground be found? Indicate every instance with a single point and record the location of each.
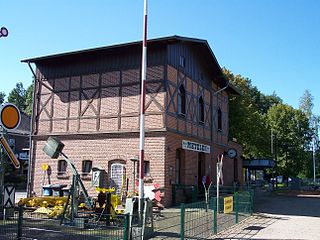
(280, 217)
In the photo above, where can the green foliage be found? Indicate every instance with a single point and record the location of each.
(28, 101)
(247, 119)
(2, 96)
(252, 117)
(22, 98)
(18, 96)
(306, 103)
(292, 133)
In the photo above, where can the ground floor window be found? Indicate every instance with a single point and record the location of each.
(86, 167)
(62, 167)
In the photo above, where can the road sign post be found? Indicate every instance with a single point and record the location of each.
(9, 120)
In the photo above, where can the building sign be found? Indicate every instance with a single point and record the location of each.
(228, 204)
(197, 147)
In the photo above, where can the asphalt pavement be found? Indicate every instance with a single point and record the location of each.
(280, 217)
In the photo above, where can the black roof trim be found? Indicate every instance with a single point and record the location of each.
(231, 89)
(92, 50)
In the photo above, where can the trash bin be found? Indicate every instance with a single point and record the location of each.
(57, 190)
(47, 190)
(66, 192)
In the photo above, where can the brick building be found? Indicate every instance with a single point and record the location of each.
(90, 99)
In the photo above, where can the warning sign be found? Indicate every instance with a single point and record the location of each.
(228, 204)
(8, 199)
(9, 152)
(10, 116)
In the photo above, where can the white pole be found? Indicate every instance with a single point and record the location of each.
(218, 177)
(142, 107)
(314, 159)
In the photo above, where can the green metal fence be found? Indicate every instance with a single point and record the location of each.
(29, 225)
(197, 220)
(202, 220)
(184, 193)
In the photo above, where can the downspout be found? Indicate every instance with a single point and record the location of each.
(30, 165)
(215, 94)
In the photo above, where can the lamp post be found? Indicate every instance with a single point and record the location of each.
(134, 160)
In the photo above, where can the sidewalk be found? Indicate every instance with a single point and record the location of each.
(280, 218)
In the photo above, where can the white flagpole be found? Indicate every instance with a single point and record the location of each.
(142, 107)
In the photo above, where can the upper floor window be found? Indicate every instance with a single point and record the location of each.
(181, 100)
(86, 167)
(62, 167)
(182, 61)
(201, 110)
(219, 120)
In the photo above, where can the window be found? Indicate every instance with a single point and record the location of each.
(219, 120)
(62, 167)
(146, 168)
(181, 100)
(117, 176)
(182, 61)
(201, 110)
(86, 167)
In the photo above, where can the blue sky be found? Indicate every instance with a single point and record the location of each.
(275, 43)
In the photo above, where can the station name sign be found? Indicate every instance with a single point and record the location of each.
(197, 147)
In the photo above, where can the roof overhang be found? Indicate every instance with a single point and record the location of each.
(258, 164)
(152, 42)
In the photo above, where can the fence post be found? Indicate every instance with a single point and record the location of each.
(251, 201)
(215, 225)
(182, 210)
(236, 206)
(173, 194)
(126, 229)
(20, 222)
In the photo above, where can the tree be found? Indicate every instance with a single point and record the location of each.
(306, 103)
(2, 96)
(18, 96)
(292, 131)
(247, 123)
(29, 100)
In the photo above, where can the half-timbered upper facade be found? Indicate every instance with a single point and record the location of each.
(90, 100)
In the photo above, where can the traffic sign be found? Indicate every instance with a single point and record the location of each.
(10, 116)
(228, 204)
(9, 152)
(9, 194)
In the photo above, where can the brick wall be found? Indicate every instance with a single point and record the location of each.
(102, 150)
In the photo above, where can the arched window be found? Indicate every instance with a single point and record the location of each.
(201, 110)
(182, 100)
(219, 120)
(117, 176)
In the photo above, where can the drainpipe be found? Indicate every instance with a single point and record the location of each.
(31, 132)
(215, 94)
